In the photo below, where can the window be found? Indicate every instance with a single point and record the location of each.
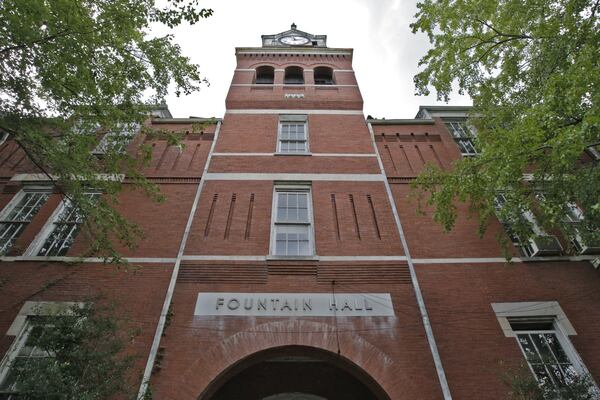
(543, 351)
(33, 321)
(293, 134)
(294, 76)
(17, 215)
(292, 233)
(323, 76)
(463, 136)
(116, 140)
(584, 241)
(25, 350)
(265, 75)
(540, 244)
(541, 330)
(58, 235)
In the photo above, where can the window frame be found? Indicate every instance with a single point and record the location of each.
(545, 310)
(14, 202)
(291, 187)
(471, 134)
(21, 328)
(528, 248)
(295, 119)
(49, 227)
(127, 131)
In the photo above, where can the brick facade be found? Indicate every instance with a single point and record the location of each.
(359, 175)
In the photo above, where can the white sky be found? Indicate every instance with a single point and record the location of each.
(386, 53)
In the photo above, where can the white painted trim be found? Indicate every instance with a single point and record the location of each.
(295, 52)
(362, 258)
(284, 84)
(285, 111)
(475, 260)
(283, 69)
(171, 289)
(278, 154)
(193, 257)
(258, 176)
(504, 311)
(41, 308)
(224, 257)
(47, 229)
(437, 360)
(52, 177)
(290, 187)
(144, 260)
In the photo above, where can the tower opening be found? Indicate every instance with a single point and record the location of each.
(294, 76)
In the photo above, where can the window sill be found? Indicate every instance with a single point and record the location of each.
(293, 154)
(292, 258)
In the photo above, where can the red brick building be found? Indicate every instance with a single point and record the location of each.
(289, 262)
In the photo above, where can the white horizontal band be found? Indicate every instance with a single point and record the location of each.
(287, 84)
(286, 111)
(145, 260)
(257, 176)
(292, 154)
(281, 70)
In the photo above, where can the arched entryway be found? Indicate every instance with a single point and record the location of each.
(294, 373)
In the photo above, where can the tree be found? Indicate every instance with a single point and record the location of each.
(71, 70)
(78, 355)
(532, 70)
(522, 385)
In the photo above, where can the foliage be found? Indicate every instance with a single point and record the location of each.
(84, 358)
(72, 70)
(522, 385)
(532, 70)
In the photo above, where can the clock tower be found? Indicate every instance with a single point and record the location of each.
(294, 38)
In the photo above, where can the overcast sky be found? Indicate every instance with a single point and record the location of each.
(386, 53)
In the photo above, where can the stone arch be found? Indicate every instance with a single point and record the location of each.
(366, 363)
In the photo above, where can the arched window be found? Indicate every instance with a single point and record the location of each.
(323, 76)
(294, 76)
(265, 75)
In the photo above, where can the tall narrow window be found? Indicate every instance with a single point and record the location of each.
(265, 75)
(539, 244)
(17, 215)
(584, 240)
(293, 134)
(294, 76)
(116, 140)
(463, 136)
(323, 76)
(63, 229)
(25, 350)
(542, 331)
(292, 222)
(543, 351)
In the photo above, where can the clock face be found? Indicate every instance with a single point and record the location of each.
(294, 40)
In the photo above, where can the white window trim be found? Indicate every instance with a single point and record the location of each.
(531, 309)
(40, 238)
(292, 187)
(471, 130)
(19, 196)
(562, 326)
(21, 328)
(297, 119)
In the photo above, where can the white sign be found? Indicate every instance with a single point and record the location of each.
(295, 304)
(294, 95)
